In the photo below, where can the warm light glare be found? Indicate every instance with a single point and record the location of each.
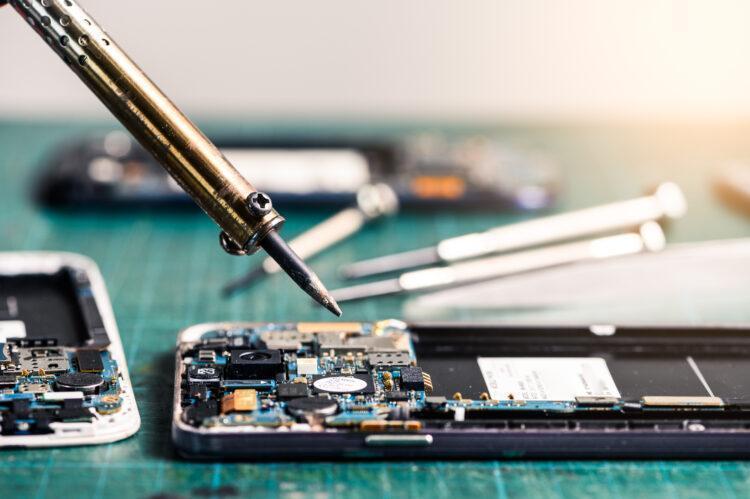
(484, 59)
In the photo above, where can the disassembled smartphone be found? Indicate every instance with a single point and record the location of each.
(424, 170)
(63, 377)
(388, 389)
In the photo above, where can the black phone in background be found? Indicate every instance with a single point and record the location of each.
(429, 171)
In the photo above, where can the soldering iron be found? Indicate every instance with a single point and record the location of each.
(246, 217)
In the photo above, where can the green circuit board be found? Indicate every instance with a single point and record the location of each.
(42, 383)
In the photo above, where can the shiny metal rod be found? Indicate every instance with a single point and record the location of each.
(650, 237)
(667, 202)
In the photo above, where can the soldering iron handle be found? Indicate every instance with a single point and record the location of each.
(193, 160)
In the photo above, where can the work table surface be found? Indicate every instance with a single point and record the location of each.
(164, 269)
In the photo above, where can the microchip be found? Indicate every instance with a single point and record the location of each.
(396, 395)
(89, 360)
(73, 409)
(7, 380)
(198, 391)
(41, 425)
(200, 411)
(20, 408)
(412, 378)
(291, 390)
(358, 383)
(206, 375)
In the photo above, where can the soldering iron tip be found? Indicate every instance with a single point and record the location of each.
(320, 294)
(332, 305)
(293, 265)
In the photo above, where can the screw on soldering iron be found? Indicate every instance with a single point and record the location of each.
(259, 203)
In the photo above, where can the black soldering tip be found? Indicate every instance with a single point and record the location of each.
(293, 265)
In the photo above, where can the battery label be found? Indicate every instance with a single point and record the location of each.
(547, 378)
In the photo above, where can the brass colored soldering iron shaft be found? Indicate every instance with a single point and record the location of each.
(193, 160)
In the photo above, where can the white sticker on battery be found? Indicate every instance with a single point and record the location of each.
(12, 329)
(547, 378)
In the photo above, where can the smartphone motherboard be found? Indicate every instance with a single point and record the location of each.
(292, 390)
(63, 379)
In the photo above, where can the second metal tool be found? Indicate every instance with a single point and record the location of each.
(650, 237)
(667, 202)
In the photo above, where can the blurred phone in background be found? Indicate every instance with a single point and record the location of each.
(425, 170)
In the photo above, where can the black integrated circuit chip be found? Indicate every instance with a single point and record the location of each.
(291, 390)
(89, 360)
(7, 380)
(412, 378)
(205, 375)
(201, 410)
(198, 391)
(396, 396)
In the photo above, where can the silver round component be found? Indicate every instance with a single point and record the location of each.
(88, 383)
(312, 406)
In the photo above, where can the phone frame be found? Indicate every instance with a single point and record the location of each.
(103, 428)
(691, 441)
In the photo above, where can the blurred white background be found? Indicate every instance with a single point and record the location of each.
(423, 59)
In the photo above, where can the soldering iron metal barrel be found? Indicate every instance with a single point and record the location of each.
(194, 162)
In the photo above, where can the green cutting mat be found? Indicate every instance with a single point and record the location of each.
(163, 271)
